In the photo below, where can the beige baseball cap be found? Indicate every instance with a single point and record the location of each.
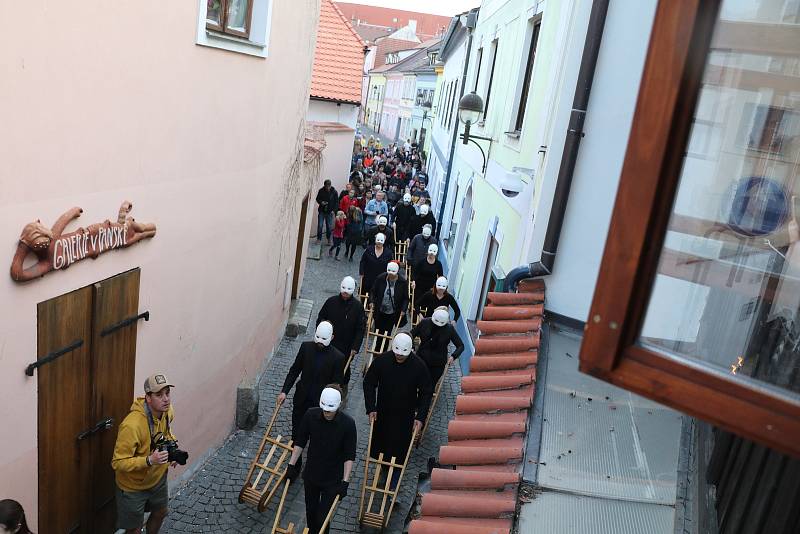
(156, 383)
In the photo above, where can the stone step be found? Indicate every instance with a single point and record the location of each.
(299, 317)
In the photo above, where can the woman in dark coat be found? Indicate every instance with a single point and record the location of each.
(374, 262)
(435, 335)
(424, 274)
(353, 232)
(437, 297)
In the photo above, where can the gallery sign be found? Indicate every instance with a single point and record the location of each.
(56, 250)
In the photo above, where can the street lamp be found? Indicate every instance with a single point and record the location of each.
(470, 108)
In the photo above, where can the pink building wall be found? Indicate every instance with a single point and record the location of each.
(105, 104)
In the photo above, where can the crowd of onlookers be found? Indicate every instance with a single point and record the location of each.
(387, 188)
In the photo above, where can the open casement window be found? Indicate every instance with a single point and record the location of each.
(230, 16)
(697, 303)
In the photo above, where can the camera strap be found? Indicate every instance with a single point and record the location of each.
(151, 422)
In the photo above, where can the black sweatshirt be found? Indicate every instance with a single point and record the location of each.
(348, 320)
(392, 388)
(318, 367)
(332, 444)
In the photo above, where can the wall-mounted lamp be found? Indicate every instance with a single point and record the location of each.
(470, 109)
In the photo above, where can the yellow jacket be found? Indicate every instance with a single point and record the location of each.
(133, 447)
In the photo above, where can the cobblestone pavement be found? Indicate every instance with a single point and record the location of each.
(209, 501)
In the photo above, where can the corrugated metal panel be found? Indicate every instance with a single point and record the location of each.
(616, 445)
(561, 513)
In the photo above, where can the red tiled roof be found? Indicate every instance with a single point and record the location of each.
(338, 58)
(486, 440)
(387, 46)
(427, 25)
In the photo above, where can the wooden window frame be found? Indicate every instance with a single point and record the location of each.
(223, 26)
(668, 94)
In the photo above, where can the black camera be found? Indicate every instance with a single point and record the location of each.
(174, 454)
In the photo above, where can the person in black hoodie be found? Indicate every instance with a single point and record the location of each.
(317, 364)
(436, 298)
(418, 221)
(389, 298)
(402, 214)
(346, 314)
(327, 204)
(436, 334)
(374, 261)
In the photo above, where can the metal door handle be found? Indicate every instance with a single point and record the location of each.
(105, 424)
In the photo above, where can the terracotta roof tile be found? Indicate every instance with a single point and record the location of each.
(486, 438)
(490, 404)
(514, 299)
(504, 327)
(477, 382)
(455, 525)
(469, 504)
(498, 313)
(497, 344)
(338, 58)
(464, 430)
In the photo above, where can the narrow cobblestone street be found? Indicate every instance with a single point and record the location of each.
(209, 501)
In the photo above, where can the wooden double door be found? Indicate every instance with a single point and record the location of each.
(83, 396)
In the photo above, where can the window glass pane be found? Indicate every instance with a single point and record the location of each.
(214, 13)
(727, 292)
(237, 15)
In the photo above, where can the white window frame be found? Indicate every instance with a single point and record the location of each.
(260, 29)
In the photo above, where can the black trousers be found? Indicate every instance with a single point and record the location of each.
(299, 409)
(318, 502)
(385, 322)
(436, 374)
(346, 351)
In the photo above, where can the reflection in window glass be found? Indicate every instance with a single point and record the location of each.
(214, 12)
(727, 292)
(237, 15)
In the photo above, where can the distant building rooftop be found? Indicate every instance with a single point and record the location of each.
(428, 25)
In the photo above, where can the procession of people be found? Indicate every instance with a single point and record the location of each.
(399, 383)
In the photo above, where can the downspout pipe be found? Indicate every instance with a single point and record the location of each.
(471, 22)
(580, 103)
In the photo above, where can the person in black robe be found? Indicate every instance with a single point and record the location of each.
(317, 364)
(435, 335)
(346, 314)
(425, 273)
(437, 297)
(331, 455)
(402, 214)
(397, 395)
(374, 261)
(389, 299)
(418, 221)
